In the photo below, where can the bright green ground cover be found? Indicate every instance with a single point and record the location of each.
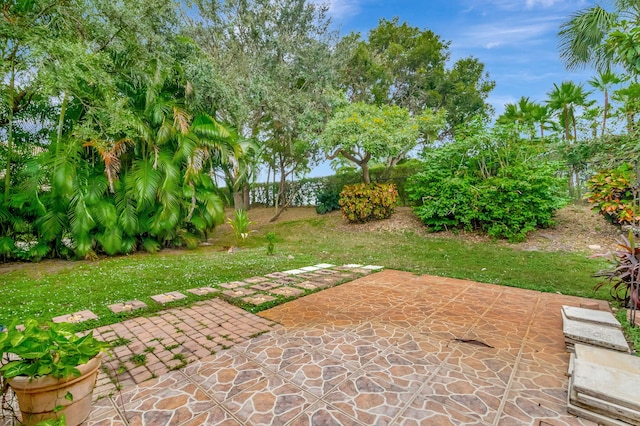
(43, 291)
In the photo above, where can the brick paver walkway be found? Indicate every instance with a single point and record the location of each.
(388, 348)
(150, 347)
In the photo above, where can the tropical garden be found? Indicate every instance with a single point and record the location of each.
(129, 127)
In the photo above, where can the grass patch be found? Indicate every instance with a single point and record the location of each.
(182, 364)
(138, 359)
(632, 333)
(120, 341)
(94, 285)
(171, 347)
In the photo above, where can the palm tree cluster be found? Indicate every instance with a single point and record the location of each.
(131, 159)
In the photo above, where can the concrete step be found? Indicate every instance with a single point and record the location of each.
(603, 386)
(591, 316)
(592, 334)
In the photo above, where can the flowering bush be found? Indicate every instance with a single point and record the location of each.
(365, 202)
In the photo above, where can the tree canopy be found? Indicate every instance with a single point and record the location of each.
(362, 132)
(408, 67)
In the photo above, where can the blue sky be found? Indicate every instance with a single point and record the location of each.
(515, 39)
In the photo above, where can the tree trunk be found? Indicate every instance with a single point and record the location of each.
(572, 189)
(238, 200)
(246, 193)
(365, 172)
(606, 110)
(567, 125)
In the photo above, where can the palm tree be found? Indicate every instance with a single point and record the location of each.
(588, 38)
(542, 116)
(604, 82)
(565, 99)
(527, 113)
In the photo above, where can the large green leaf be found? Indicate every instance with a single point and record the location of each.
(146, 182)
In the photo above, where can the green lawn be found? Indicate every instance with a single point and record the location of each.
(43, 293)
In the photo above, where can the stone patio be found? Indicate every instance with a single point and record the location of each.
(388, 348)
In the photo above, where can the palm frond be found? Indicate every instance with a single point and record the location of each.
(181, 120)
(128, 244)
(582, 38)
(105, 213)
(150, 245)
(165, 133)
(127, 212)
(110, 240)
(7, 245)
(207, 127)
(146, 182)
(80, 217)
(51, 225)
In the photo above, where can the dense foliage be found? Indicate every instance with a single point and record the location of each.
(490, 180)
(327, 200)
(121, 121)
(612, 195)
(361, 133)
(365, 202)
(408, 67)
(36, 349)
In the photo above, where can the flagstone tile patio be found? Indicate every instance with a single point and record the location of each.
(388, 348)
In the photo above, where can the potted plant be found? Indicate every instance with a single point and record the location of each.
(51, 370)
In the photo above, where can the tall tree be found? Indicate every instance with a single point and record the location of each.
(520, 113)
(362, 132)
(275, 60)
(405, 66)
(604, 81)
(543, 118)
(565, 100)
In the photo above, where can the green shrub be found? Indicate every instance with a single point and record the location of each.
(365, 202)
(488, 180)
(271, 242)
(610, 192)
(327, 200)
(240, 225)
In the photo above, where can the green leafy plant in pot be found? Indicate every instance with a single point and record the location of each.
(51, 370)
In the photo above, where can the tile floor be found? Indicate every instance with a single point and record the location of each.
(388, 348)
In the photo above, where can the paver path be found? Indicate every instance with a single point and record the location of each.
(388, 348)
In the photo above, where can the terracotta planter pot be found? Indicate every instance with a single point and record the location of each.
(37, 398)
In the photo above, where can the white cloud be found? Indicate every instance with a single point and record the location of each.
(517, 5)
(507, 33)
